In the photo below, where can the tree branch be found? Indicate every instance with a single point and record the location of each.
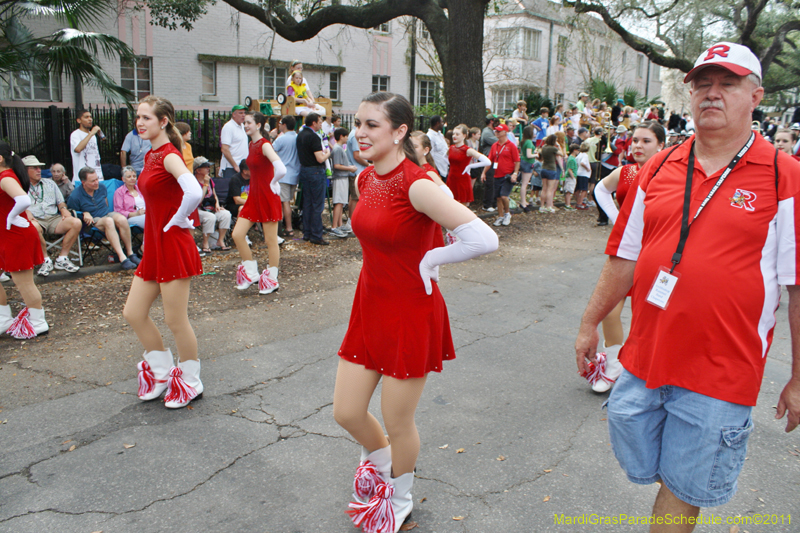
(753, 12)
(629, 38)
(777, 43)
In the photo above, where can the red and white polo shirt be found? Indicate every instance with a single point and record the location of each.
(714, 336)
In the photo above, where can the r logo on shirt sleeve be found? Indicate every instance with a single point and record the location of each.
(743, 199)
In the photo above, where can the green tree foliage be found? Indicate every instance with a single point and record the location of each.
(69, 50)
(684, 28)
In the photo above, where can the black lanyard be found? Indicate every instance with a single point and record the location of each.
(687, 196)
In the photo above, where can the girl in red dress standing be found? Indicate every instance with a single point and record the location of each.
(263, 205)
(19, 249)
(460, 155)
(648, 140)
(399, 329)
(169, 260)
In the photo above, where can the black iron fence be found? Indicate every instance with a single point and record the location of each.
(44, 132)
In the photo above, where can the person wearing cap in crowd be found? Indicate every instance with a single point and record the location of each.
(49, 214)
(672, 138)
(713, 310)
(504, 156)
(234, 143)
(488, 138)
(795, 128)
(135, 147)
(581, 104)
(210, 211)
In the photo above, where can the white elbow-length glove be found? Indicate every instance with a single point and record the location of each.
(21, 203)
(192, 196)
(280, 172)
(606, 201)
(446, 190)
(483, 161)
(476, 238)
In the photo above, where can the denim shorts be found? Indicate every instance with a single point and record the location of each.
(549, 174)
(503, 186)
(696, 445)
(525, 168)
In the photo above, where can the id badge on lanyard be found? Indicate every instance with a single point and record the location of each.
(666, 279)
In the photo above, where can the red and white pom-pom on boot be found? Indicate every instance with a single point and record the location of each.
(375, 468)
(387, 509)
(184, 384)
(6, 318)
(268, 281)
(246, 274)
(154, 374)
(28, 324)
(608, 370)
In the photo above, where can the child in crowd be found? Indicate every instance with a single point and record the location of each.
(583, 175)
(304, 100)
(521, 113)
(536, 180)
(571, 176)
(526, 158)
(541, 124)
(340, 181)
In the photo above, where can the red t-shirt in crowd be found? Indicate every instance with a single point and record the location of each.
(505, 155)
(715, 333)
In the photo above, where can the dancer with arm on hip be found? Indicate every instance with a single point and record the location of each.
(399, 330)
(169, 260)
(19, 249)
(648, 140)
(263, 206)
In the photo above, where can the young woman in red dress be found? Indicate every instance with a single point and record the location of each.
(399, 329)
(460, 155)
(648, 140)
(19, 249)
(263, 205)
(170, 259)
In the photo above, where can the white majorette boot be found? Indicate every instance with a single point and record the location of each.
(246, 274)
(605, 372)
(6, 318)
(184, 384)
(387, 509)
(375, 468)
(153, 374)
(28, 324)
(268, 281)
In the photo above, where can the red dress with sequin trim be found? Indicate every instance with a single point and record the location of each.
(395, 328)
(19, 247)
(170, 255)
(459, 183)
(262, 204)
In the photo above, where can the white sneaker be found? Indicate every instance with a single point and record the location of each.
(590, 203)
(544, 210)
(281, 240)
(490, 209)
(346, 227)
(338, 232)
(506, 219)
(498, 221)
(63, 263)
(46, 267)
(248, 241)
(4, 277)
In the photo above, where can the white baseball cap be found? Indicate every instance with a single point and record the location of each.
(737, 58)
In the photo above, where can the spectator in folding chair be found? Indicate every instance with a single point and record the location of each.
(60, 178)
(50, 215)
(128, 200)
(89, 198)
(210, 212)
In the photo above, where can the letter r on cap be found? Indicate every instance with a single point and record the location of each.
(717, 50)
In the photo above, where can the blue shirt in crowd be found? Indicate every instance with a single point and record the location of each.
(352, 148)
(286, 148)
(543, 124)
(137, 147)
(96, 205)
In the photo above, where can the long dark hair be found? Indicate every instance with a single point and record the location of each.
(261, 120)
(14, 162)
(399, 111)
(163, 108)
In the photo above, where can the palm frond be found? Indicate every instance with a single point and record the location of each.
(108, 45)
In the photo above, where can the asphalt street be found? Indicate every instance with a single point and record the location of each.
(511, 437)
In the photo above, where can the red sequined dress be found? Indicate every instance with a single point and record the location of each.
(167, 255)
(459, 183)
(395, 328)
(19, 247)
(262, 204)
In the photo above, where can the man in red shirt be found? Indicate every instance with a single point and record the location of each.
(703, 301)
(504, 156)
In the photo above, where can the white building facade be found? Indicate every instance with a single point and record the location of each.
(533, 45)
